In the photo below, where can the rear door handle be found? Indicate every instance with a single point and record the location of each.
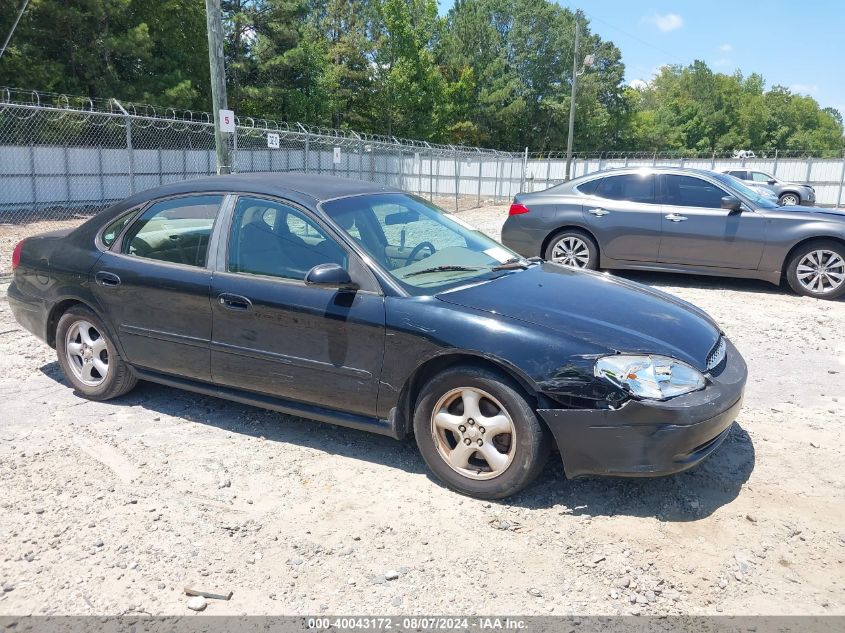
(598, 212)
(674, 217)
(106, 279)
(234, 302)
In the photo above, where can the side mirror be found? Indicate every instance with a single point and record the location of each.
(772, 181)
(330, 276)
(731, 204)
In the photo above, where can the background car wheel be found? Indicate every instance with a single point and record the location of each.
(478, 434)
(88, 358)
(573, 248)
(817, 269)
(789, 200)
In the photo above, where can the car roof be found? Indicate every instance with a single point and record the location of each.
(316, 187)
(656, 169)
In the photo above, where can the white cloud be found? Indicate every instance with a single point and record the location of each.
(639, 84)
(807, 89)
(668, 22)
(726, 48)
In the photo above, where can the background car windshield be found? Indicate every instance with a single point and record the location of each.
(738, 186)
(406, 236)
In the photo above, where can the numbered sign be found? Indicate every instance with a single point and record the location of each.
(227, 121)
(337, 156)
(272, 140)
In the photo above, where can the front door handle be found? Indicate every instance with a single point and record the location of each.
(674, 217)
(598, 212)
(234, 302)
(106, 279)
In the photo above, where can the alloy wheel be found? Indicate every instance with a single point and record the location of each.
(821, 271)
(87, 353)
(473, 433)
(571, 251)
(790, 200)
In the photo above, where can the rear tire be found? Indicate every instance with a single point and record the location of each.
(89, 358)
(789, 200)
(573, 248)
(817, 269)
(478, 433)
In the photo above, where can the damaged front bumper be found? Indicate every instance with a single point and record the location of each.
(651, 438)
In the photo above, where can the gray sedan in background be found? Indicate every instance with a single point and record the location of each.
(787, 193)
(683, 221)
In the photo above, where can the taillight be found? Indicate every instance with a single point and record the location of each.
(16, 254)
(517, 209)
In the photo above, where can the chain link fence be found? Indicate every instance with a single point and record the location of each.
(63, 159)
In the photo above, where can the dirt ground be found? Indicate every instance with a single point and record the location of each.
(111, 508)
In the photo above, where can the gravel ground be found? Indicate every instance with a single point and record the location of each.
(111, 508)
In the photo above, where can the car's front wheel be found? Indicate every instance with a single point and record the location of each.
(479, 434)
(817, 269)
(789, 200)
(88, 357)
(573, 248)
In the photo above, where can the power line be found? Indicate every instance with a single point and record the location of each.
(14, 26)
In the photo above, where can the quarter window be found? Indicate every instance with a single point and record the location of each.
(629, 187)
(759, 176)
(175, 230)
(111, 232)
(686, 191)
(288, 246)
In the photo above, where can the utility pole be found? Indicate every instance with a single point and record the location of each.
(214, 22)
(572, 100)
(14, 26)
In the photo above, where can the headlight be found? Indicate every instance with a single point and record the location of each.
(652, 377)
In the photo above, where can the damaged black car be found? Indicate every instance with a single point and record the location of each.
(368, 307)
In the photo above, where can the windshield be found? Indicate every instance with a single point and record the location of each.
(740, 187)
(423, 248)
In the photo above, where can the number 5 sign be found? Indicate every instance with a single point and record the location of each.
(227, 121)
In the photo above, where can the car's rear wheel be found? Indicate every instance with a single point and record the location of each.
(817, 270)
(789, 200)
(573, 248)
(479, 434)
(88, 357)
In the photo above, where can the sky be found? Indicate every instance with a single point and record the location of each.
(800, 45)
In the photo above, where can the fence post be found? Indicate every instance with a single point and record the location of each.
(809, 168)
(775, 168)
(100, 173)
(401, 168)
(32, 176)
(160, 174)
(131, 152)
(524, 169)
(360, 160)
(67, 173)
(457, 178)
(713, 161)
(480, 168)
(306, 153)
(548, 170)
(841, 182)
(431, 175)
(496, 182)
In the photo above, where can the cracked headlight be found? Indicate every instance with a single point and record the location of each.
(651, 377)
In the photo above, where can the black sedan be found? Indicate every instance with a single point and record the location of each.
(367, 307)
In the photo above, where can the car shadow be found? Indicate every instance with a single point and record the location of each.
(662, 280)
(687, 496)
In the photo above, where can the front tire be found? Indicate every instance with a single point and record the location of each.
(817, 269)
(88, 357)
(573, 248)
(478, 433)
(789, 200)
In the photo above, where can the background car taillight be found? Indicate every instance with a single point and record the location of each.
(517, 209)
(16, 254)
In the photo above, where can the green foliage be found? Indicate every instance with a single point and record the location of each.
(492, 72)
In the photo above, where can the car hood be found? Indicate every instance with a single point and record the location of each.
(603, 311)
(835, 213)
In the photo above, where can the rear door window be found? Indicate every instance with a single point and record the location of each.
(175, 230)
(628, 187)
